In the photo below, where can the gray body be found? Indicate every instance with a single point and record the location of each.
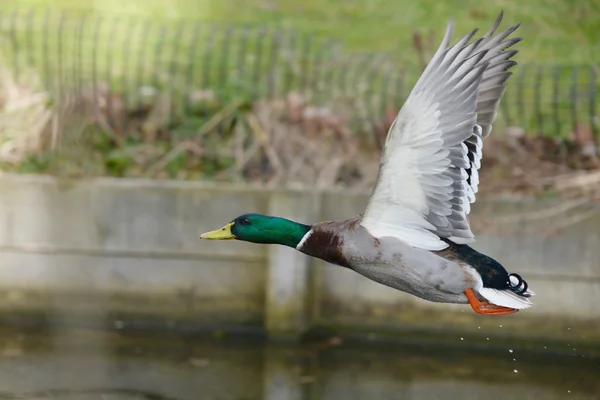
(390, 262)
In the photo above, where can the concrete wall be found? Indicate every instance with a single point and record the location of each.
(116, 249)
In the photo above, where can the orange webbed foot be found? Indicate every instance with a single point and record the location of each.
(487, 308)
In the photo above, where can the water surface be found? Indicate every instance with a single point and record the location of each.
(95, 365)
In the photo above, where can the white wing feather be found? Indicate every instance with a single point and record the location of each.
(428, 171)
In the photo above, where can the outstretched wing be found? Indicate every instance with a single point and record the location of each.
(428, 173)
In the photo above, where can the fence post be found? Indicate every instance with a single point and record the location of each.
(287, 288)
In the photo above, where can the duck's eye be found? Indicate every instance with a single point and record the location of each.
(245, 221)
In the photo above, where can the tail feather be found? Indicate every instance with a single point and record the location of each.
(505, 298)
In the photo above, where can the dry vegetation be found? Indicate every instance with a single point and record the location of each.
(25, 116)
(285, 141)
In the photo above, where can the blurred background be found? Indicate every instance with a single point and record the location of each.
(127, 128)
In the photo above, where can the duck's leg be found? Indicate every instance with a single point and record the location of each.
(484, 307)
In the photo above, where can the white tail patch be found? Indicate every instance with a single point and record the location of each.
(299, 246)
(505, 298)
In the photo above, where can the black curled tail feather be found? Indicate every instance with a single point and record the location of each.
(518, 285)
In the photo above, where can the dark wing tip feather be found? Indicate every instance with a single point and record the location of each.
(496, 24)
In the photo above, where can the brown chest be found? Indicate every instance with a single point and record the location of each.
(326, 246)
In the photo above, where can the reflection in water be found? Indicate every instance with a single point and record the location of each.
(68, 364)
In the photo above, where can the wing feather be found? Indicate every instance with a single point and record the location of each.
(428, 174)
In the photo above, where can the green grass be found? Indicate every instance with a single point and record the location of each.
(556, 31)
(560, 32)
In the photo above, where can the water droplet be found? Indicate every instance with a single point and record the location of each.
(568, 391)
(515, 371)
(514, 359)
(510, 350)
(462, 339)
(545, 347)
(500, 326)
(569, 328)
(478, 327)
(488, 338)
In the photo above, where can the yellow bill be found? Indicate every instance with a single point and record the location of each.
(220, 234)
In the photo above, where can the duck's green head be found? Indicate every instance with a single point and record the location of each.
(258, 228)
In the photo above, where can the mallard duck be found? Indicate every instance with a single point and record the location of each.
(414, 234)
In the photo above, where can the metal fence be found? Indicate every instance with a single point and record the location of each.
(553, 100)
(133, 56)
